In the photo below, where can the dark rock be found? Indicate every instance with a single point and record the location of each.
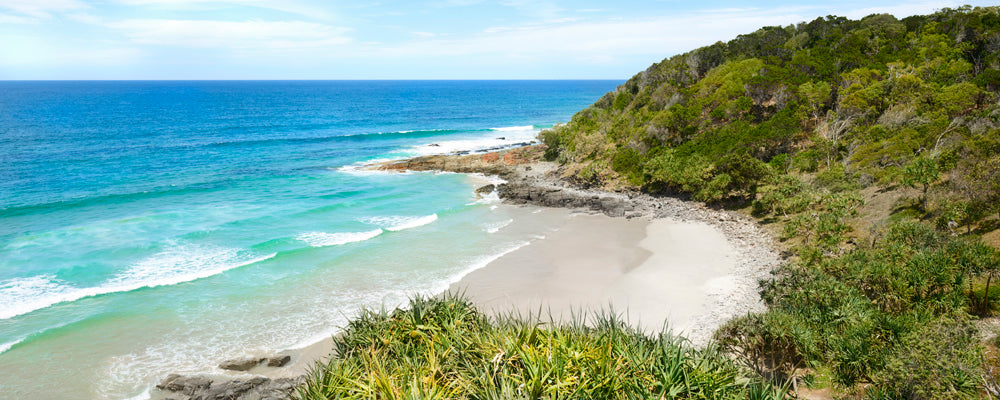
(279, 361)
(502, 138)
(233, 389)
(485, 190)
(187, 385)
(241, 364)
(201, 388)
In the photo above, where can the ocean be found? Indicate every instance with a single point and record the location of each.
(157, 227)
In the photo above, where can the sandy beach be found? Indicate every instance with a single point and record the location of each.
(659, 262)
(654, 272)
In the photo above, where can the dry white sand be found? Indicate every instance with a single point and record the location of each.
(653, 272)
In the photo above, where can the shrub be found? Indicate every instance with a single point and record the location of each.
(765, 343)
(836, 179)
(785, 195)
(938, 361)
(445, 348)
(921, 172)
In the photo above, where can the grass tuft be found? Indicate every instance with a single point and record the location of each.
(445, 348)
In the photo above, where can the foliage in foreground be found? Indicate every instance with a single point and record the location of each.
(890, 317)
(445, 348)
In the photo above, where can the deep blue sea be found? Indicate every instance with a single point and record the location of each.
(154, 227)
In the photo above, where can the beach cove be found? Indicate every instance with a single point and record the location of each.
(660, 262)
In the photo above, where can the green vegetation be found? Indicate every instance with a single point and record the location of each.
(880, 100)
(802, 126)
(891, 313)
(444, 347)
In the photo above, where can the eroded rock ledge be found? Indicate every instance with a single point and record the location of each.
(529, 180)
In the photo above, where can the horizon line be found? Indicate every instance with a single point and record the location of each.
(313, 80)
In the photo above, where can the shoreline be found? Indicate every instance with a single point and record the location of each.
(712, 259)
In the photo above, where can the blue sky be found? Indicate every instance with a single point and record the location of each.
(433, 39)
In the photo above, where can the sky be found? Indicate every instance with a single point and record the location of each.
(417, 39)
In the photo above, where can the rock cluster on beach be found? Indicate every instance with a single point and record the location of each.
(177, 387)
(246, 364)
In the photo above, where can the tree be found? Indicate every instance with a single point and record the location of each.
(921, 171)
(815, 96)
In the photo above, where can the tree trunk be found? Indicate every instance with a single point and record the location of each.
(923, 200)
(986, 296)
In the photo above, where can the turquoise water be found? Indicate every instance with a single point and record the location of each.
(153, 227)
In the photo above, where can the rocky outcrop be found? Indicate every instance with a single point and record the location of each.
(612, 204)
(529, 180)
(246, 364)
(178, 387)
(241, 364)
(500, 163)
(279, 361)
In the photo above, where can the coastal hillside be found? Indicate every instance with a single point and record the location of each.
(872, 148)
(858, 101)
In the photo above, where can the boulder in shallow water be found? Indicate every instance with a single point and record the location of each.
(485, 190)
(241, 364)
(279, 361)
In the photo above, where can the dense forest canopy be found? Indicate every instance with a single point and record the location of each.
(859, 98)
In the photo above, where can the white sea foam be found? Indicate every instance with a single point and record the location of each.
(363, 168)
(494, 227)
(475, 265)
(514, 128)
(397, 223)
(175, 265)
(184, 264)
(483, 179)
(323, 239)
(491, 198)
(511, 136)
(145, 395)
(6, 346)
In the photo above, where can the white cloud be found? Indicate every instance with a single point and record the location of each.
(85, 18)
(597, 42)
(16, 19)
(34, 52)
(904, 10)
(236, 35)
(41, 8)
(291, 7)
(602, 42)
